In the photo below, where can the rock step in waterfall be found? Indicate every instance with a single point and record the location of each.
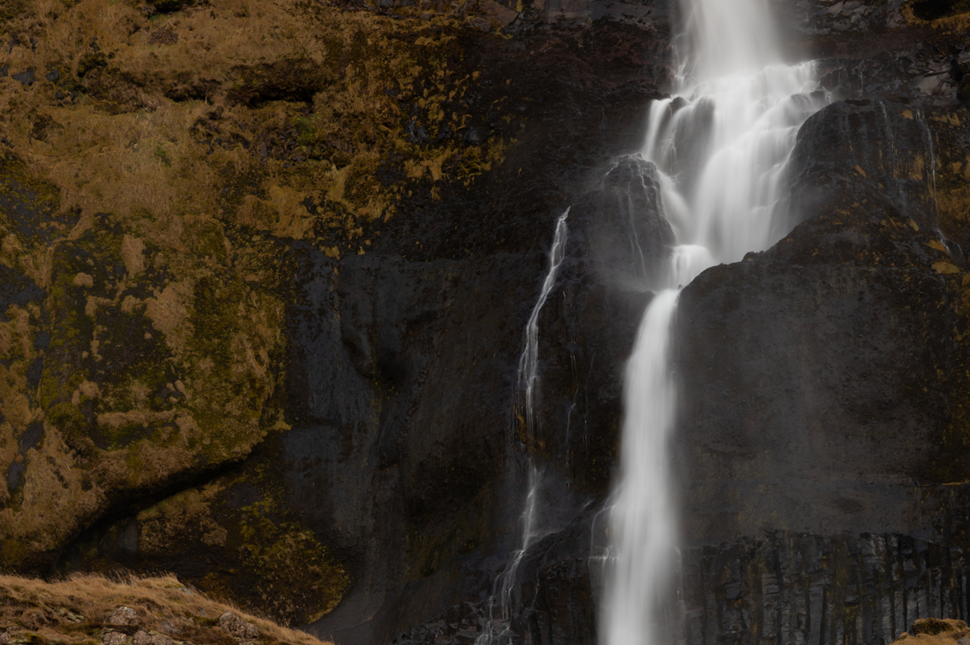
(721, 145)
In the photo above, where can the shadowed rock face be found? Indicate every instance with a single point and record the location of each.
(880, 146)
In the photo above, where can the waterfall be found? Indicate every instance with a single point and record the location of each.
(722, 145)
(497, 629)
(529, 363)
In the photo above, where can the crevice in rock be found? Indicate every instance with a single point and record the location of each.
(128, 504)
(936, 9)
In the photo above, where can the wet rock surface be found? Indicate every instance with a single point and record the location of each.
(821, 446)
(827, 17)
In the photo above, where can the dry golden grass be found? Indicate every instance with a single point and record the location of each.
(74, 610)
(934, 631)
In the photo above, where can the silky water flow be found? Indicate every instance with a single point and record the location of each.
(497, 630)
(721, 146)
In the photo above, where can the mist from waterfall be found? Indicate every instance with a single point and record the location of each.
(722, 145)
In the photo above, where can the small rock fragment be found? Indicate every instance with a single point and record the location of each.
(114, 638)
(168, 627)
(68, 615)
(238, 627)
(146, 638)
(4, 638)
(34, 618)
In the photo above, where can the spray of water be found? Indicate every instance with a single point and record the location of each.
(722, 145)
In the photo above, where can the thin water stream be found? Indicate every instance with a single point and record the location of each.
(497, 629)
(722, 145)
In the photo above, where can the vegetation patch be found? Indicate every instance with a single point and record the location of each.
(945, 14)
(83, 609)
(291, 117)
(230, 539)
(934, 631)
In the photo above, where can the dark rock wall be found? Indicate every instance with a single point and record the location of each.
(821, 450)
(356, 457)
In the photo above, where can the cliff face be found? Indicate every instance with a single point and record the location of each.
(266, 269)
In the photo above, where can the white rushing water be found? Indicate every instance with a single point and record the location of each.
(721, 144)
(529, 363)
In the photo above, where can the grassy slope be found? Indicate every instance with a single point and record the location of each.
(74, 611)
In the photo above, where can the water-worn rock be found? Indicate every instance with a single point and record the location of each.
(628, 238)
(856, 143)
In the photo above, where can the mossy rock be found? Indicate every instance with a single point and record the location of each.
(232, 538)
(148, 364)
(177, 150)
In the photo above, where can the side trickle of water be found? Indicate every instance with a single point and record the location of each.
(722, 146)
(497, 629)
(529, 362)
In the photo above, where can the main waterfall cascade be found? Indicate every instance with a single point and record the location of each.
(721, 145)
